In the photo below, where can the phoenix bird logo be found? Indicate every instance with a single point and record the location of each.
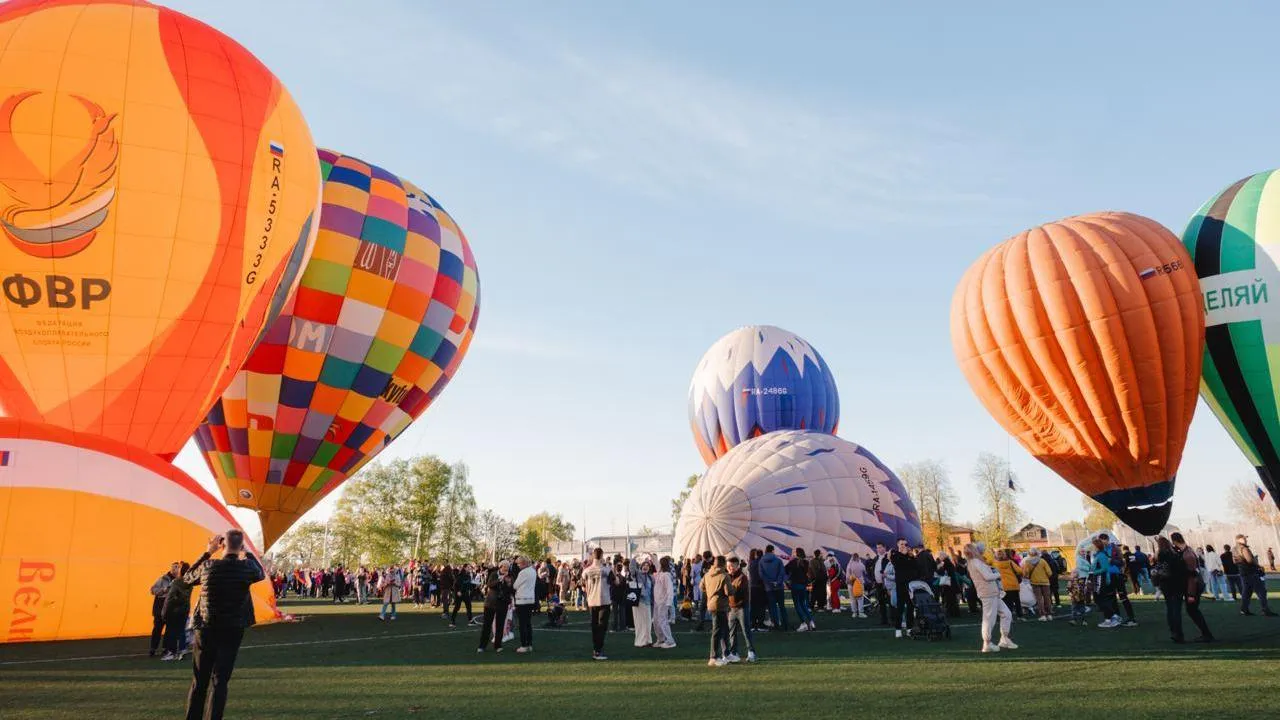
(57, 216)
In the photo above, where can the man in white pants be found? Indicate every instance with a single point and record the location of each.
(986, 583)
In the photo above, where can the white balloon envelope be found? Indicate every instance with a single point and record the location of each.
(796, 489)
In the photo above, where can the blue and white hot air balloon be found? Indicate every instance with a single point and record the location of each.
(796, 489)
(756, 380)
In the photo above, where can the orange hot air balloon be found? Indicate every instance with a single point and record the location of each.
(157, 185)
(87, 524)
(1083, 339)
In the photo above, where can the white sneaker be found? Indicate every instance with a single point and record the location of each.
(168, 656)
(802, 628)
(897, 633)
(479, 650)
(731, 659)
(813, 625)
(523, 650)
(1007, 644)
(751, 656)
(721, 662)
(1044, 618)
(1107, 623)
(989, 648)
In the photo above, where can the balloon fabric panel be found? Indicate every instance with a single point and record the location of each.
(1082, 338)
(755, 380)
(61, 495)
(385, 311)
(1233, 240)
(155, 203)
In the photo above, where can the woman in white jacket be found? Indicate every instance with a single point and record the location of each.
(526, 587)
(986, 583)
(663, 607)
(1214, 579)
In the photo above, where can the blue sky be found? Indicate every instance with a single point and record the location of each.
(637, 181)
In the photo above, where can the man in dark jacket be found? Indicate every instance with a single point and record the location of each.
(1230, 571)
(905, 569)
(160, 591)
(739, 605)
(818, 578)
(799, 579)
(757, 604)
(928, 566)
(225, 610)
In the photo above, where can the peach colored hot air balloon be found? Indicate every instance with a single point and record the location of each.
(1083, 338)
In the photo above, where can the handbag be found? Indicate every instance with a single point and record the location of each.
(944, 581)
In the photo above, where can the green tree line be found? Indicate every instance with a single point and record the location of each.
(417, 508)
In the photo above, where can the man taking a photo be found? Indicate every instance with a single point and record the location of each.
(225, 610)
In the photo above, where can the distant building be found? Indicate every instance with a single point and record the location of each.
(627, 546)
(958, 536)
(1030, 536)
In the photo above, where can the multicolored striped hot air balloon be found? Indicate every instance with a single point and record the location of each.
(1083, 339)
(755, 380)
(86, 526)
(1234, 242)
(384, 314)
(157, 186)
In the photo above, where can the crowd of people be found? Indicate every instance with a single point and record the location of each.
(735, 598)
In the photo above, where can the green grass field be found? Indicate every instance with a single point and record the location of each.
(341, 662)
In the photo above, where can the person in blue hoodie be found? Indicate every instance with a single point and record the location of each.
(774, 576)
(1108, 565)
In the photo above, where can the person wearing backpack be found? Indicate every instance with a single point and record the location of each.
(774, 576)
(1037, 571)
(1177, 574)
(1251, 582)
(1010, 581)
(1057, 566)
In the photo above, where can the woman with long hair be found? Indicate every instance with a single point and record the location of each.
(663, 609)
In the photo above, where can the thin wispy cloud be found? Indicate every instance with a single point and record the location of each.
(666, 131)
(507, 343)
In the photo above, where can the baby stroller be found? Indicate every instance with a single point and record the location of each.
(931, 621)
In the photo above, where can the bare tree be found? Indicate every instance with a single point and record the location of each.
(998, 490)
(930, 489)
(1243, 500)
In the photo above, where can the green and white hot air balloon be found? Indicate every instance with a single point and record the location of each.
(1234, 241)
